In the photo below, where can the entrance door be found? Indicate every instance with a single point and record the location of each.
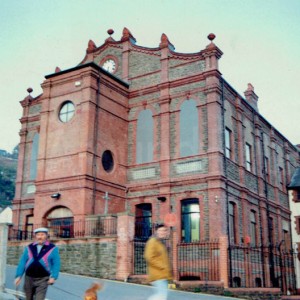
(143, 221)
(61, 223)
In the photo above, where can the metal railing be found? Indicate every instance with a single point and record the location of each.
(262, 266)
(101, 226)
(198, 261)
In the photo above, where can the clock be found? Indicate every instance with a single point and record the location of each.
(109, 65)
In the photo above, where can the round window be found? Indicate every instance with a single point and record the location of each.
(107, 160)
(67, 111)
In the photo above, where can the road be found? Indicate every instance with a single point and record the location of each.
(72, 287)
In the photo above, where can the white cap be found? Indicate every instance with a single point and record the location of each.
(41, 229)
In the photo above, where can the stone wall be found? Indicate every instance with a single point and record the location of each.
(90, 257)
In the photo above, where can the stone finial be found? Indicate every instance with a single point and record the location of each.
(251, 97)
(250, 87)
(91, 46)
(212, 52)
(57, 69)
(211, 36)
(165, 43)
(110, 31)
(29, 90)
(127, 36)
(211, 46)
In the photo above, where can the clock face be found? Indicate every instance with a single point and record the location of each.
(109, 65)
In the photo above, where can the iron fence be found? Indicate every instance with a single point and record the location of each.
(262, 266)
(102, 226)
(139, 266)
(198, 261)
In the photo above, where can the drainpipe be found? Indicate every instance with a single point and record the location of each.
(271, 256)
(259, 210)
(95, 145)
(226, 183)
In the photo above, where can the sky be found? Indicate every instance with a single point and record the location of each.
(260, 41)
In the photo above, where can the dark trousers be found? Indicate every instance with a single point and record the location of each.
(36, 288)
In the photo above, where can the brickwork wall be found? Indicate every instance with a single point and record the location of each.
(186, 69)
(143, 63)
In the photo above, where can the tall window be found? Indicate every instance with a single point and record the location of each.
(143, 220)
(248, 157)
(232, 222)
(271, 231)
(297, 222)
(253, 227)
(33, 157)
(189, 128)
(286, 234)
(144, 137)
(280, 177)
(190, 220)
(267, 169)
(29, 226)
(228, 143)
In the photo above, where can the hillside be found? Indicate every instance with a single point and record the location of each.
(8, 170)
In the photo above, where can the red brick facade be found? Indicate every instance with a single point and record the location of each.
(107, 110)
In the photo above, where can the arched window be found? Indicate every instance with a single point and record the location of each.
(34, 156)
(190, 220)
(189, 128)
(258, 282)
(236, 282)
(61, 222)
(144, 137)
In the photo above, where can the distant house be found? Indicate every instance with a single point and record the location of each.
(6, 215)
(294, 196)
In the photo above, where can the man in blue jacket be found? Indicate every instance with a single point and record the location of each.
(41, 263)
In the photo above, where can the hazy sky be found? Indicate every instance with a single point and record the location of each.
(260, 40)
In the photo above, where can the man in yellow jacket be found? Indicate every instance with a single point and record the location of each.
(159, 270)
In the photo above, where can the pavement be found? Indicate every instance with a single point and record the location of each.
(6, 296)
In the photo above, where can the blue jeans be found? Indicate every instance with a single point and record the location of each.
(161, 290)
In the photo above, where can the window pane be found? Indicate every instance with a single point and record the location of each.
(144, 138)
(34, 156)
(248, 156)
(67, 111)
(190, 219)
(227, 143)
(232, 221)
(189, 128)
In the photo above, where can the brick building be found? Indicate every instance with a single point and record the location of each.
(150, 131)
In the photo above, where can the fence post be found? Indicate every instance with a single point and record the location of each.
(125, 233)
(3, 253)
(224, 267)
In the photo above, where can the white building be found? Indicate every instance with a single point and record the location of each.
(294, 197)
(6, 215)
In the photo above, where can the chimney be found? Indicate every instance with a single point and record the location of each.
(251, 97)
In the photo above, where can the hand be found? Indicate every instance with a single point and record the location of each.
(51, 280)
(18, 280)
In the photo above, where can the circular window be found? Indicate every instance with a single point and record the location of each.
(67, 111)
(107, 160)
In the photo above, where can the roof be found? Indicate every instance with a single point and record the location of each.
(90, 64)
(295, 181)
